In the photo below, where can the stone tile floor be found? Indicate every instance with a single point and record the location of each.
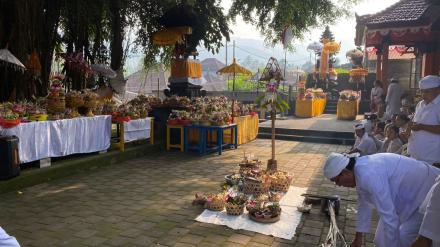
(147, 202)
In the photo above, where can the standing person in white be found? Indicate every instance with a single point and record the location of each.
(376, 98)
(424, 139)
(393, 98)
(392, 184)
(429, 233)
(364, 144)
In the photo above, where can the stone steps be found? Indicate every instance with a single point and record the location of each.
(316, 136)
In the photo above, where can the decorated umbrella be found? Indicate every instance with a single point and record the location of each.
(315, 46)
(234, 69)
(103, 70)
(9, 60)
(293, 76)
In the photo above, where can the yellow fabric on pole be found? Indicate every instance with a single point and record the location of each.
(347, 110)
(323, 66)
(186, 68)
(309, 108)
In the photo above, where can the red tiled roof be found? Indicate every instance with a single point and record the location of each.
(404, 11)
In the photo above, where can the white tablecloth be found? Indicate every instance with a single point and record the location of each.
(137, 129)
(284, 228)
(39, 140)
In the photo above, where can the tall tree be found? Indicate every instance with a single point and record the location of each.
(272, 16)
(327, 34)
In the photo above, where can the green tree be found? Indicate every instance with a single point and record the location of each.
(327, 34)
(272, 16)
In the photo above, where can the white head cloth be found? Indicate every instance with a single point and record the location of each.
(430, 81)
(334, 165)
(359, 126)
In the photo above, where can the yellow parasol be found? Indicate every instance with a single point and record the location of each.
(171, 35)
(234, 68)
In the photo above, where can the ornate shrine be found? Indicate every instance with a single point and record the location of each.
(413, 24)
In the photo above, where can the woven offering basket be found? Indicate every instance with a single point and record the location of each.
(56, 105)
(234, 209)
(90, 103)
(264, 220)
(245, 169)
(76, 101)
(215, 205)
(281, 185)
(255, 187)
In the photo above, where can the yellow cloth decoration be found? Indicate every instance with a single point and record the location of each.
(167, 37)
(247, 127)
(358, 72)
(186, 68)
(323, 65)
(181, 30)
(33, 64)
(309, 108)
(332, 47)
(347, 110)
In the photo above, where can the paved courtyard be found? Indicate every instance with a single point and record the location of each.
(147, 202)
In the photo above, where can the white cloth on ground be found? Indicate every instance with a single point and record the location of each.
(137, 129)
(6, 240)
(39, 140)
(365, 144)
(424, 145)
(284, 228)
(430, 227)
(392, 100)
(395, 186)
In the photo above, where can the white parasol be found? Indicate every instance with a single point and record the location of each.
(103, 70)
(315, 46)
(9, 59)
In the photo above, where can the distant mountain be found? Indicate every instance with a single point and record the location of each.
(254, 54)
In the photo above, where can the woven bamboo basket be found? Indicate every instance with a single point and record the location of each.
(76, 101)
(255, 187)
(234, 209)
(265, 220)
(280, 185)
(56, 105)
(215, 205)
(244, 168)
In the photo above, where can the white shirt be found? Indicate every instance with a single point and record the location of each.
(376, 95)
(392, 100)
(6, 240)
(423, 145)
(391, 146)
(365, 144)
(430, 227)
(395, 186)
